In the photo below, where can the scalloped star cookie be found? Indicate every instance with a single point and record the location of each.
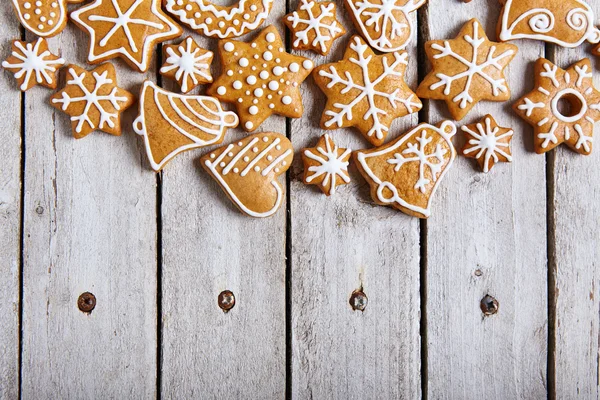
(326, 165)
(487, 142)
(187, 63)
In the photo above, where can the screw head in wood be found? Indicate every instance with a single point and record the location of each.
(358, 300)
(489, 305)
(226, 300)
(86, 302)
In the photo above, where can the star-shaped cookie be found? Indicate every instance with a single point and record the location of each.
(314, 26)
(487, 142)
(261, 78)
(93, 100)
(187, 63)
(467, 69)
(543, 107)
(129, 29)
(366, 91)
(326, 165)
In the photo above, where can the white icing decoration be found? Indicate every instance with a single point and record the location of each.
(529, 106)
(568, 92)
(486, 142)
(34, 64)
(315, 25)
(221, 90)
(188, 64)
(213, 122)
(473, 67)
(287, 100)
(249, 125)
(229, 47)
(549, 136)
(307, 64)
(294, 67)
(330, 163)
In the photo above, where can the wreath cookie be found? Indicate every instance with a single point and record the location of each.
(466, 70)
(45, 18)
(220, 22)
(487, 142)
(553, 124)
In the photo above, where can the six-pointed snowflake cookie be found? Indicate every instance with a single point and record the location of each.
(187, 63)
(93, 100)
(567, 23)
(405, 173)
(466, 70)
(366, 91)
(563, 107)
(218, 21)
(260, 78)
(125, 28)
(314, 26)
(44, 18)
(33, 64)
(326, 165)
(487, 142)
(385, 24)
(247, 171)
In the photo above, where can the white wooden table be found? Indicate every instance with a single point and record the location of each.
(156, 251)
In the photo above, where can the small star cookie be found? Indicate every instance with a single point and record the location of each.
(314, 26)
(44, 18)
(125, 28)
(261, 78)
(187, 63)
(466, 70)
(543, 108)
(487, 142)
(326, 165)
(366, 91)
(93, 100)
(33, 64)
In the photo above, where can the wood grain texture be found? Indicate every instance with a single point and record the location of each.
(577, 244)
(343, 243)
(90, 225)
(10, 212)
(209, 247)
(487, 235)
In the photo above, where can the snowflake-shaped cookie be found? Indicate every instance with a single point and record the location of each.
(543, 107)
(326, 165)
(386, 24)
(93, 100)
(314, 26)
(366, 91)
(125, 28)
(33, 64)
(261, 78)
(187, 63)
(487, 142)
(467, 69)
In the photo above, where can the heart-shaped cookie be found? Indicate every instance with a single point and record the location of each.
(247, 171)
(385, 24)
(45, 18)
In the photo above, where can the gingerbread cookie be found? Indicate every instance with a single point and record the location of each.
(314, 26)
(466, 70)
(93, 100)
(126, 29)
(260, 78)
(217, 21)
(385, 24)
(248, 170)
(405, 173)
(487, 142)
(45, 18)
(33, 64)
(567, 23)
(326, 165)
(543, 107)
(187, 63)
(366, 91)
(173, 123)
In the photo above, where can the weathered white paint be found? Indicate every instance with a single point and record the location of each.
(208, 247)
(342, 243)
(576, 213)
(10, 214)
(90, 225)
(495, 224)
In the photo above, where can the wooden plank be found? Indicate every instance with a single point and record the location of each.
(209, 247)
(487, 235)
(10, 212)
(577, 251)
(341, 244)
(90, 225)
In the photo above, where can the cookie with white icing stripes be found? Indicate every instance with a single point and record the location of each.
(326, 165)
(187, 63)
(563, 107)
(247, 171)
(45, 18)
